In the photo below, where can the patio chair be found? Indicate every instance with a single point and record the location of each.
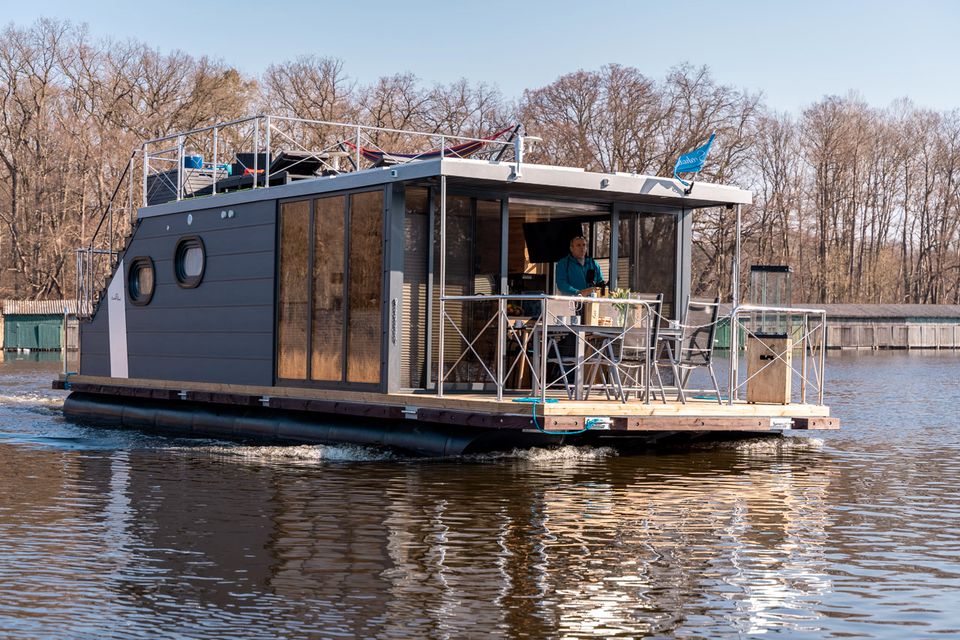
(624, 357)
(696, 345)
(561, 348)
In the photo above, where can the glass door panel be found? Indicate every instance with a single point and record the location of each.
(292, 302)
(364, 288)
(328, 264)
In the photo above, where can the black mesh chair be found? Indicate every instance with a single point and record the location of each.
(696, 344)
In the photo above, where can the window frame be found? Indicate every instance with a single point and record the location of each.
(183, 245)
(134, 294)
(343, 382)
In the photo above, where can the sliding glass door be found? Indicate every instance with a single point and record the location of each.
(330, 289)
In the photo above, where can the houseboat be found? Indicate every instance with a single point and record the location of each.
(306, 281)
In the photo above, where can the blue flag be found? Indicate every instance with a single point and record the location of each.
(692, 162)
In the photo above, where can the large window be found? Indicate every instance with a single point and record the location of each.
(330, 289)
(472, 268)
(416, 256)
(366, 274)
(293, 306)
(328, 308)
(648, 247)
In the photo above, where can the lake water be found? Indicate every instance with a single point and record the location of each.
(116, 534)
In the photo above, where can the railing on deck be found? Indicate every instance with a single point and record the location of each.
(499, 370)
(805, 327)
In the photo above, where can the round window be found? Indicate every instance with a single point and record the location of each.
(189, 261)
(140, 280)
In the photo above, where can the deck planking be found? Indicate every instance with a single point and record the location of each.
(478, 409)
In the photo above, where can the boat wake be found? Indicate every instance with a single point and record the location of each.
(308, 455)
(766, 445)
(566, 455)
(29, 400)
(293, 454)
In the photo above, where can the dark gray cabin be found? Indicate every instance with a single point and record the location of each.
(330, 282)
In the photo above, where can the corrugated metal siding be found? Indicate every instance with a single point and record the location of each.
(874, 311)
(39, 307)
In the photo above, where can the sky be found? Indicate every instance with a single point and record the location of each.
(793, 52)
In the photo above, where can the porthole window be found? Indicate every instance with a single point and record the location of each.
(140, 280)
(189, 261)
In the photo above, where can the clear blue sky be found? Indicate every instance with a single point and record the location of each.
(794, 53)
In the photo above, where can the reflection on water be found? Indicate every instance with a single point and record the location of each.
(112, 533)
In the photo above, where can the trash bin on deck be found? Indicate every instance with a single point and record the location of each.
(769, 368)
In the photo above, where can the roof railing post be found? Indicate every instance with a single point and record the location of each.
(266, 169)
(358, 148)
(256, 149)
(130, 189)
(216, 158)
(518, 155)
(179, 167)
(146, 172)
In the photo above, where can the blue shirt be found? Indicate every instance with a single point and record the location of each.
(572, 276)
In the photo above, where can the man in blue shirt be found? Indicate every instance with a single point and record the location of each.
(576, 273)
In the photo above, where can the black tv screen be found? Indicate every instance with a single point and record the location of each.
(549, 241)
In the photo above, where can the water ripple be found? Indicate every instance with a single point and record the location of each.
(116, 534)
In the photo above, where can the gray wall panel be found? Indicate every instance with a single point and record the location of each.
(247, 345)
(95, 346)
(207, 369)
(210, 293)
(203, 319)
(222, 330)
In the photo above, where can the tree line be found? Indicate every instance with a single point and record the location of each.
(861, 201)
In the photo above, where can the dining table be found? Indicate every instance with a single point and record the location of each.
(588, 335)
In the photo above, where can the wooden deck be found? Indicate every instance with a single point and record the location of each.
(475, 408)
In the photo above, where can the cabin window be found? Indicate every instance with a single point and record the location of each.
(648, 252)
(364, 290)
(330, 289)
(292, 312)
(472, 268)
(189, 261)
(416, 254)
(328, 307)
(140, 280)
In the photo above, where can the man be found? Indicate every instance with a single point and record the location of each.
(576, 274)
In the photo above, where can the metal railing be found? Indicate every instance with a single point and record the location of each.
(805, 328)
(540, 327)
(335, 146)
